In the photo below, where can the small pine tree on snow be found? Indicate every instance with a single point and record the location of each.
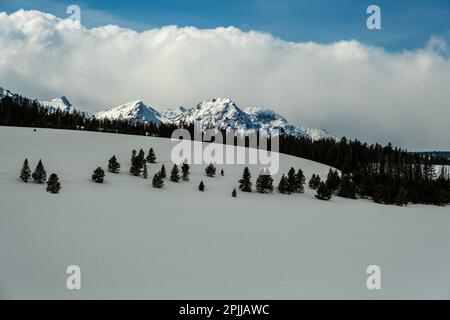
(163, 172)
(25, 173)
(299, 182)
(264, 182)
(259, 185)
(245, 184)
(268, 182)
(314, 182)
(291, 180)
(39, 175)
(210, 170)
(151, 158)
(158, 181)
(347, 188)
(175, 174)
(98, 175)
(135, 169)
(141, 156)
(323, 192)
(113, 165)
(201, 186)
(234, 193)
(53, 184)
(401, 199)
(333, 180)
(145, 172)
(222, 173)
(185, 171)
(283, 185)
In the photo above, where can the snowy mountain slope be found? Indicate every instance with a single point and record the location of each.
(134, 241)
(268, 119)
(221, 113)
(62, 103)
(4, 93)
(133, 111)
(170, 115)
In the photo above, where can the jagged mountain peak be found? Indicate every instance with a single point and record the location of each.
(221, 113)
(61, 103)
(132, 111)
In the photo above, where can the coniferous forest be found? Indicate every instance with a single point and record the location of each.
(384, 173)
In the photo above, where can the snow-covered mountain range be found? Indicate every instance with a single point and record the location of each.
(221, 113)
(62, 103)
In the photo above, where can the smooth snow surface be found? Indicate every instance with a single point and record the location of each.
(134, 241)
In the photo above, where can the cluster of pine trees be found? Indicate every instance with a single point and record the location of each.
(383, 173)
(293, 182)
(39, 176)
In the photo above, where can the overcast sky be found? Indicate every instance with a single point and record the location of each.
(344, 86)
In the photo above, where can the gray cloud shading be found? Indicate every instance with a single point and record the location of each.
(346, 87)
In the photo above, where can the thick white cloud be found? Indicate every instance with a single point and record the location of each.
(346, 87)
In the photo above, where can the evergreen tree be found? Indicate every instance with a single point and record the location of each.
(268, 182)
(299, 181)
(264, 182)
(39, 175)
(201, 186)
(323, 192)
(291, 180)
(185, 171)
(98, 175)
(136, 166)
(347, 187)
(175, 174)
(163, 172)
(113, 165)
(259, 185)
(210, 170)
(283, 185)
(145, 172)
(333, 180)
(141, 156)
(151, 158)
(402, 197)
(234, 193)
(245, 184)
(314, 182)
(53, 184)
(25, 173)
(158, 180)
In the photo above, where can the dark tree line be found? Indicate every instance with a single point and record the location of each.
(384, 173)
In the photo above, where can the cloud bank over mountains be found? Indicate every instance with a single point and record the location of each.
(346, 87)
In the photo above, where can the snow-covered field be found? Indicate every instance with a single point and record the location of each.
(134, 241)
